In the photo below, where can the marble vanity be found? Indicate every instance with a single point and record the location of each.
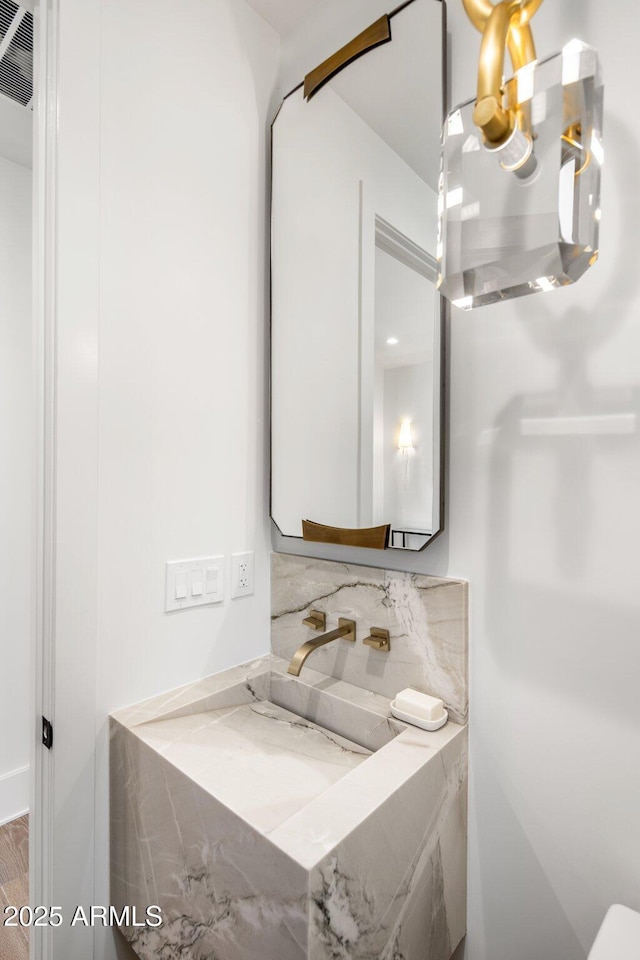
(282, 818)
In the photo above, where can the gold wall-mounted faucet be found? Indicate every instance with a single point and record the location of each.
(346, 630)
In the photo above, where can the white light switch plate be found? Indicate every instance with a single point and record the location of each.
(241, 574)
(193, 583)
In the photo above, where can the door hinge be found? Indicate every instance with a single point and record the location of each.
(47, 733)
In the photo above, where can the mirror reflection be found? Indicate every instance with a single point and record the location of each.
(356, 319)
(406, 327)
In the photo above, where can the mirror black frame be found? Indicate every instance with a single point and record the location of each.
(370, 38)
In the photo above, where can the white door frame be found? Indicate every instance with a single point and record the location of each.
(41, 805)
(66, 311)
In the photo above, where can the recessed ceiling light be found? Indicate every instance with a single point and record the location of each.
(392, 341)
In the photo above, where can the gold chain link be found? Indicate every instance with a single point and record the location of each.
(505, 24)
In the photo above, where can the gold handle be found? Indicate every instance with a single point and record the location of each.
(379, 639)
(317, 620)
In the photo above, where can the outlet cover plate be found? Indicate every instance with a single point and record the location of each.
(193, 583)
(242, 581)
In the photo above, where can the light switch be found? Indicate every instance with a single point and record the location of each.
(193, 583)
(211, 581)
(181, 586)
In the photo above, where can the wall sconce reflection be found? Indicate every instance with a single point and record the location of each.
(405, 436)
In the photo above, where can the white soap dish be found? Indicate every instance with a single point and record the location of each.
(418, 721)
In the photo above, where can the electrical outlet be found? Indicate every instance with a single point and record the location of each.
(241, 574)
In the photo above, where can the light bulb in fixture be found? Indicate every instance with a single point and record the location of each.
(405, 436)
(392, 341)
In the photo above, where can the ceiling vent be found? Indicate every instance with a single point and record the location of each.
(16, 53)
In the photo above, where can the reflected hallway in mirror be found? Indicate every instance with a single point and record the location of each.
(406, 334)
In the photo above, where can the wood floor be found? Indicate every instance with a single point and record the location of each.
(14, 886)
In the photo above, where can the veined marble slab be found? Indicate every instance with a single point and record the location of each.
(427, 619)
(263, 762)
(239, 807)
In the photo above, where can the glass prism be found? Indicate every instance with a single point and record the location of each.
(504, 234)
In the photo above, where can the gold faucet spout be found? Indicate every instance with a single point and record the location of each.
(346, 629)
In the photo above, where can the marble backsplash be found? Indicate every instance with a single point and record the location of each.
(426, 617)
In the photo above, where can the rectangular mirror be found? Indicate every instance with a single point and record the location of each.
(357, 324)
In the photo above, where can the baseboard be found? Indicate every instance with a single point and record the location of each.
(14, 795)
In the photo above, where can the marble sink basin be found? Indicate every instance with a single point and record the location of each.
(282, 818)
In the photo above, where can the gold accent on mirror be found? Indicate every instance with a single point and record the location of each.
(346, 630)
(379, 640)
(374, 35)
(317, 620)
(504, 25)
(375, 538)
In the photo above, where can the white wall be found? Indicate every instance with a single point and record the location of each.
(182, 467)
(547, 532)
(161, 428)
(16, 135)
(16, 440)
